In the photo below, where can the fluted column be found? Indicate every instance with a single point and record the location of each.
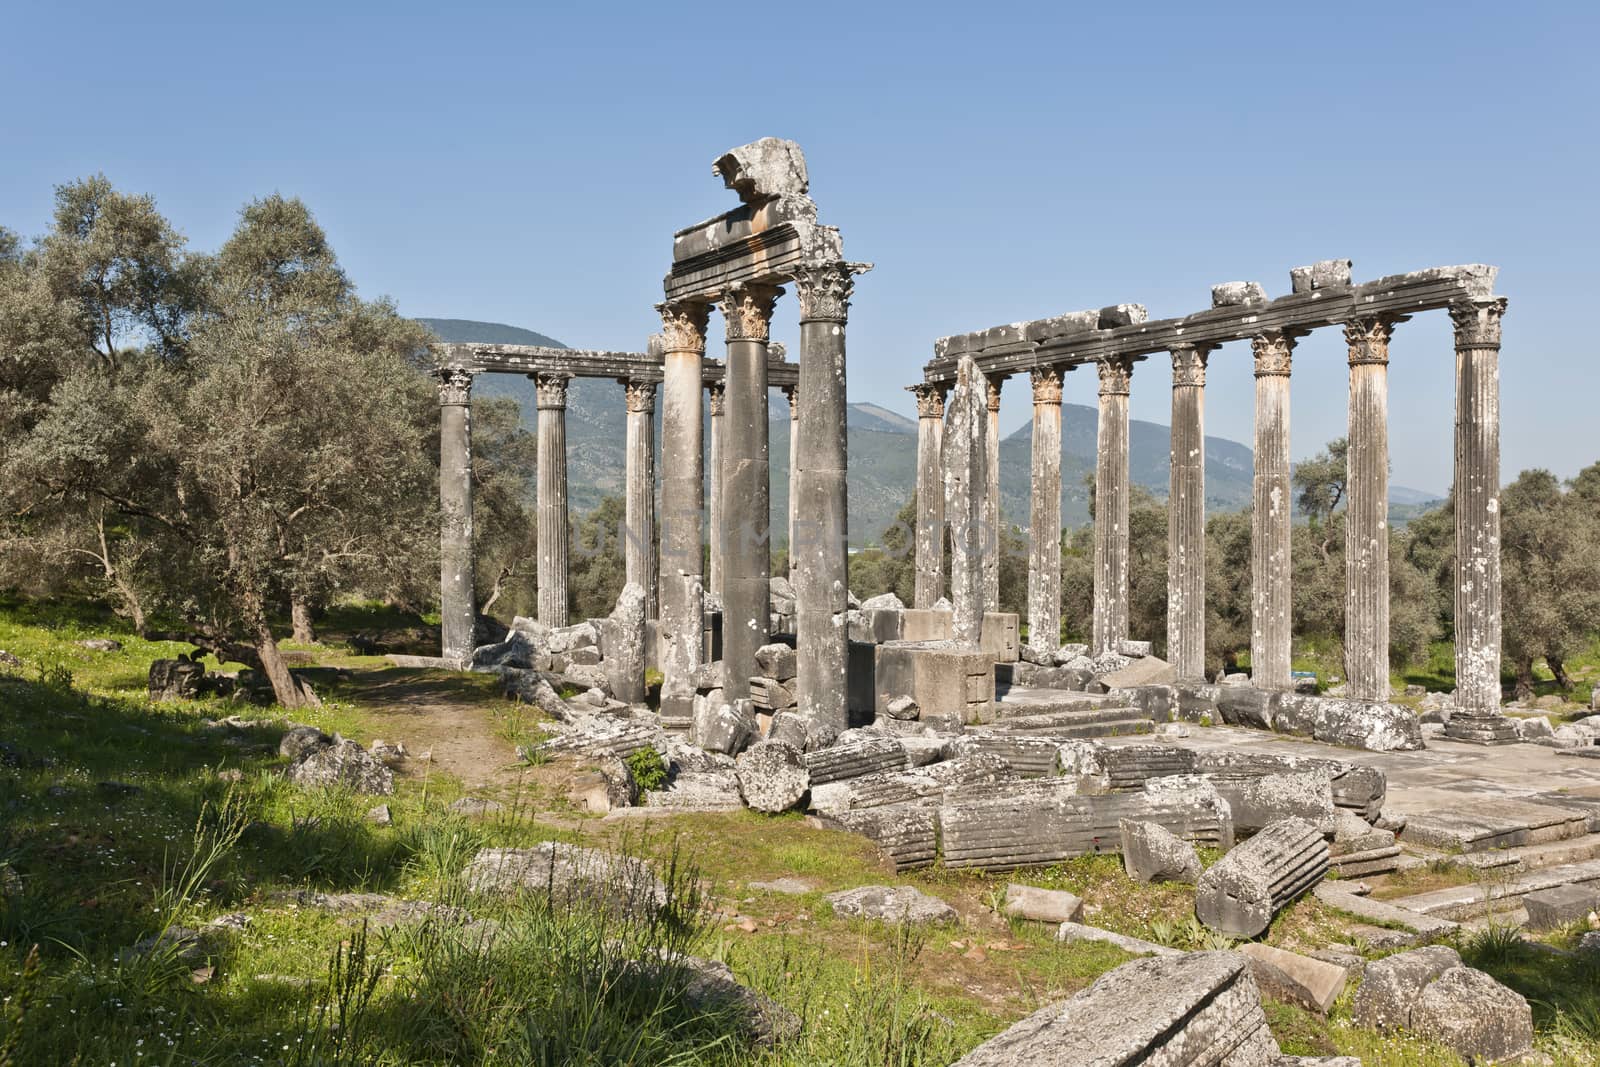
(551, 391)
(745, 486)
(965, 472)
(930, 495)
(1477, 506)
(822, 531)
(1186, 516)
(1366, 531)
(682, 623)
(1111, 507)
(1271, 513)
(715, 537)
(1044, 514)
(791, 394)
(640, 500)
(991, 501)
(457, 608)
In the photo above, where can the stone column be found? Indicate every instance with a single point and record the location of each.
(1366, 540)
(551, 390)
(966, 468)
(1044, 517)
(458, 612)
(1111, 508)
(1477, 500)
(745, 487)
(789, 394)
(821, 578)
(1271, 513)
(1186, 516)
(682, 624)
(991, 501)
(640, 501)
(715, 392)
(930, 495)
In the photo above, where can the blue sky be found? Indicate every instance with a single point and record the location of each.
(528, 164)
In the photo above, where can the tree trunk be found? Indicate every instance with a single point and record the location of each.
(284, 687)
(1524, 687)
(300, 614)
(1558, 667)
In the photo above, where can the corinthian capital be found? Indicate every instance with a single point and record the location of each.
(1116, 373)
(992, 391)
(1046, 385)
(683, 326)
(747, 311)
(930, 400)
(1274, 352)
(1368, 338)
(641, 396)
(455, 386)
(1189, 364)
(551, 390)
(824, 290)
(1478, 322)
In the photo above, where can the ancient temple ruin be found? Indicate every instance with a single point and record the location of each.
(1114, 340)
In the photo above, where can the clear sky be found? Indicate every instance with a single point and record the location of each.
(527, 163)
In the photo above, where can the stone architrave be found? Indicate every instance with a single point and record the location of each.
(991, 499)
(1186, 511)
(1044, 549)
(1477, 505)
(930, 495)
(965, 471)
(822, 531)
(789, 394)
(551, 392)
(1110, 627)
(745, 486)
(639, 540)
(715, 398)
(1271, 513)
(682, 621)
(457, 608)
(1366, 600)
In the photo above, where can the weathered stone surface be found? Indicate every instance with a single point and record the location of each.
(1241, 893)
(1146, 670)
(1475, 1015)
(722, 727)
(1288, 976)
(777, 661)
(1558, 906)
(189, 947)
(1134, 945)
(1042, 905)
(705, 790)
(1390, 986)
(908, 834)
(175, 679)
(474, 806)
(1323, 274)
(891, 904)
(519, 650)
(772, 776)
(342, 763)
(569, 873)
(300, 739)
(712, 989)
(965, 491)
(852, 760)
(764, 170)
(1199, 1008)
(944, 678)
(1152, 853)
(1233, 294)
(624, 645)
(1256, 802)
(100, 644)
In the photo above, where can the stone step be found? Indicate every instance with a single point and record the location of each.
(1484, 825)
(1338, 895)
(1020, 717)
(1470, 901)
(1520, 857)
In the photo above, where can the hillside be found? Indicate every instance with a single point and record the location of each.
(883, 450)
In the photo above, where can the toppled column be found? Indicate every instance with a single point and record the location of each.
(821, 582)
(1186, 511)
(965, 473)
(639, 540)
(930, 495)
(1240, 893)
(1271, 513)
(1111, 508)
(683, 496)
(789, 394)
(457, 608)
(551, 391)
(715, 393)
(991, 498)
(1044, 521)
(745, 492)
(839, 762)
(1366, 552)
(1477, 508)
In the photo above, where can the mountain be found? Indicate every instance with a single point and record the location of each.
(882, 446)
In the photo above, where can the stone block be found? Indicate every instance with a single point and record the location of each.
(1241, 892)
(1428, 992)
(925, 624)
(1034, 676)
(1242, 705)
(1152, 853)
(892, 904)
(1324, 274)
(772, 776)
(1288, 976)
(777, 661)
(722, 727)
(1042, 905)
(1235, 294)
(1549, 909)
(1145, 670)
(1000, 635)
(836, 763)
(944, 679)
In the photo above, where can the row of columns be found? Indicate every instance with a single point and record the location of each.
(1477, 480)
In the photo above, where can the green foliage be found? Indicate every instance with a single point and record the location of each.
(597, 568)
(649, 770)
(1551, 589)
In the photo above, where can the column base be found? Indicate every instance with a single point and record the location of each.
(1481, 729)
